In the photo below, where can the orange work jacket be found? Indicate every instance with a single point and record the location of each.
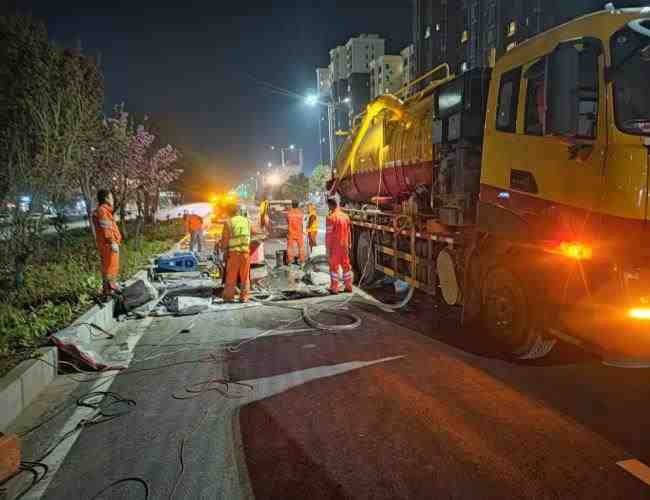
(295, 218)
(106, 230)
(193, 223)
(337, 232)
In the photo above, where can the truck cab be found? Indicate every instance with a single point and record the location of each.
(565, 162)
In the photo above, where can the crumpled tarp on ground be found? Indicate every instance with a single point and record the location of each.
(77, 340)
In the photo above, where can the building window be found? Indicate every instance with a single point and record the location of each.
(507, 106)
(490, 37)
(512, 28)
(491, 14)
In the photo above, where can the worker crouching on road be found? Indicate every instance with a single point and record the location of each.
(312, 226)
(235, 241)
(337, 242)
(194, 226)
(296, 236)
(108, 239)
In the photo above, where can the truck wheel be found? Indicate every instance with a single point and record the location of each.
(507, 313)
(364, 259)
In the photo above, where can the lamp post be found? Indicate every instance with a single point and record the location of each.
(313, 100)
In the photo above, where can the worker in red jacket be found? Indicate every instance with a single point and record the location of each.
(108, 239)
(337, 242)
(296, 236)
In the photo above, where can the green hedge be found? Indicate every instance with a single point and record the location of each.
(60, 282)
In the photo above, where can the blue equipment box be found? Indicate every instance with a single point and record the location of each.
(179, 262)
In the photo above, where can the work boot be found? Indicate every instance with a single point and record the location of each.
(348, 289)
(334, 292)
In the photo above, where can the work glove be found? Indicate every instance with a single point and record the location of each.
(115, 247)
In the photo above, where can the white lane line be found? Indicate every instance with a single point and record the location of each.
(637, 469)
(56, 458)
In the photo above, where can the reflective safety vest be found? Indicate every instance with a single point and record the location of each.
(312, 222)
(239, 234)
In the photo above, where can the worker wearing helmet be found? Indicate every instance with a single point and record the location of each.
(337, 242)
(296, 235)
(108, 239)
(312, 226)
(235, 242)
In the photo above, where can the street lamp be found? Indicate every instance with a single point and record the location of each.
(292, 146)
(269, 164)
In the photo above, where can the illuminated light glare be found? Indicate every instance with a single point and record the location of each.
(311, 100)
(273, 179)
(576, 251)
(642, 313)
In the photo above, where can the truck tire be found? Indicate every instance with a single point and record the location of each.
(364, 259)
(508, 315)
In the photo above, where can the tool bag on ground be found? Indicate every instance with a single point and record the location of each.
(134, 296)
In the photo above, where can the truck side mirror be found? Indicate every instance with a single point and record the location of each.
(562, 91)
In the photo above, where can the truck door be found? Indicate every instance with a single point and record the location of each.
(565, 172)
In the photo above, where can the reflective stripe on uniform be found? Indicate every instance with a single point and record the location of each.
(105, 223)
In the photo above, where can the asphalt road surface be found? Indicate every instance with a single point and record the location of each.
(406, 406)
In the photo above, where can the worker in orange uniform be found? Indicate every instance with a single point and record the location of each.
(312, 226)
(108, 239)
(235, 242)
(194, 226)
(296, 236)
(337, 242)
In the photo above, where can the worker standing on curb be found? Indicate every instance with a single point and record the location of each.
(296, 234)
(338, 242)
(194, 226)
(108, 239)
(312, 226)
(235, 242)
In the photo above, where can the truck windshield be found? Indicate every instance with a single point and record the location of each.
(630, 73)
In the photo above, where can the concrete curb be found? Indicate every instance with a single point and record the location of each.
(24, 383)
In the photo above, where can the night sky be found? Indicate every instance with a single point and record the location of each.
(199, 63)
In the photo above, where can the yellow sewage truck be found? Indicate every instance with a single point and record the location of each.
(518, 193)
